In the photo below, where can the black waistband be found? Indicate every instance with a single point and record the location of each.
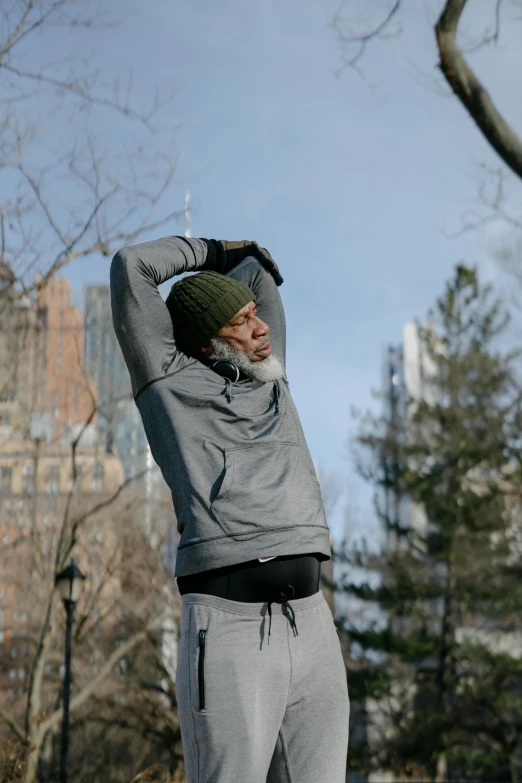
(256, 582)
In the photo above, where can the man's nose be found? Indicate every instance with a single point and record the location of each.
(261, 328)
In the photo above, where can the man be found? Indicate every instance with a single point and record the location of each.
(261, 683)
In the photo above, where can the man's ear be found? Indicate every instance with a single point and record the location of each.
(207, 350)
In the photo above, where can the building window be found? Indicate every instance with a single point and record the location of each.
(97, 477)
(12, 674)
(78, 471)
(78, 476)
(52, 501)
(55, 402)
(5, 480)
(2, 637)
(52, 479)
(28, 479)
(10, 693)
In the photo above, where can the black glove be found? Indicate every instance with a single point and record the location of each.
(223, 256)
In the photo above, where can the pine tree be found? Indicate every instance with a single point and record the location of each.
(440, 673)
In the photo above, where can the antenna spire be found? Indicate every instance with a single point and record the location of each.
(188, 215)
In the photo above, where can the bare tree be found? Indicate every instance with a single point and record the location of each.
(121, 585)
(452, 63)
(65, 193)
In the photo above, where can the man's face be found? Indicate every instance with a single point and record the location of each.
(244, 341)
(247, 333)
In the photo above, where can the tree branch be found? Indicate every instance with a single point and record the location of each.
(13, 725)
(81, 91)
(106, 669)
(471, 92)
(364, 38)
(16, 32)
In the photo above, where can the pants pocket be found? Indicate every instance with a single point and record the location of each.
(202, 643)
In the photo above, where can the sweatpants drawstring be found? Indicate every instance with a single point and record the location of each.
(285, 601)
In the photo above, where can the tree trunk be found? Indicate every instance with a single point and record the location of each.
(36, 739)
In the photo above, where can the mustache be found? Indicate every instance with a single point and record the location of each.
(259, 347)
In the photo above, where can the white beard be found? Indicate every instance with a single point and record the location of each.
(269, 369)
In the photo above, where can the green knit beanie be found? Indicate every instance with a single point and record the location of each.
(201, 304)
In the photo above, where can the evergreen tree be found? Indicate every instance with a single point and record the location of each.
(440, 674)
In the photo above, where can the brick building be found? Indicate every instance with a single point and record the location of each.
(64, 389)
(36, 484)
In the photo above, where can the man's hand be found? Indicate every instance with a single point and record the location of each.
(246, 248)
(230, 254)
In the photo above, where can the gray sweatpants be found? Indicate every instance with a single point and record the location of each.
(255, 709)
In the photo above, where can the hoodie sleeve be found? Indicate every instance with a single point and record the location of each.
(268, 300)
(140, 316)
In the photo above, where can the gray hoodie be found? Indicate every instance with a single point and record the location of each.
(233, 454)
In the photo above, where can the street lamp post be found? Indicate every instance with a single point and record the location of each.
(69, 584)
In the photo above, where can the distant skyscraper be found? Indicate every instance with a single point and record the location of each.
(118, 419)
(64, 390)
(409, 376)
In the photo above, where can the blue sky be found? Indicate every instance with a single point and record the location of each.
(352, 189)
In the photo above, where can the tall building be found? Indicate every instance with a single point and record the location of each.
(18, 381)
(64, 390)
(118, 417)
(409, 375)
(41, 367)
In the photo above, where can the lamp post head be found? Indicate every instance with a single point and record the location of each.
(69, 582)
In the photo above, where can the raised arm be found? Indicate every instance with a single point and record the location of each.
(268, 301)
(141, 319)
(140, 316)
